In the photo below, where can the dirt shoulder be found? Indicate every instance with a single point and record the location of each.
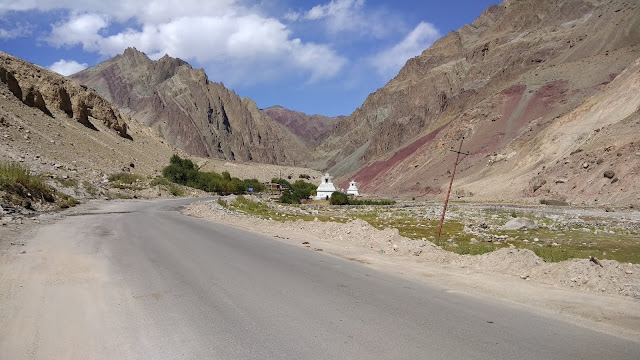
(604, 297)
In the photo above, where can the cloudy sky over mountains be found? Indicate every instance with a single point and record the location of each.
(322, 56)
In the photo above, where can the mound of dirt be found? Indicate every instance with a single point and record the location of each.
(609, 277)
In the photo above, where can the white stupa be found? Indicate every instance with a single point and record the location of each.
(353, 188)
(326, 187)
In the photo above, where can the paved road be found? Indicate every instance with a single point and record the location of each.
(137, 280)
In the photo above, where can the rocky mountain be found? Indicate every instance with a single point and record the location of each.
(58, 126)
(199, 116)
(510, 83)
(310, 128)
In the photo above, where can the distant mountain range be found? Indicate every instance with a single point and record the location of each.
(199, 116)
(546, 94)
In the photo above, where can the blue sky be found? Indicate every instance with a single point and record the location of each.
(319, 57)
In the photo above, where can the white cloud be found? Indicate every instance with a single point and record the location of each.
(351, 16)
(390, 61)
(67, 67)
(243, 40)
(80, 29)
(19, 30)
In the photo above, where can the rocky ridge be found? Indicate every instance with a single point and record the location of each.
(194, 114)
(311, 128)
(505, 82)
(45, 91)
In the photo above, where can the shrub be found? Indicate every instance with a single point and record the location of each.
(17, 180)
(125, 178)
(65, 201)
(172, 188)
(185, 172)
(283, 183)
(339, 198)
(294, 193)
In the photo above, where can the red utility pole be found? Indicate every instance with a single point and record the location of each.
(446, 202)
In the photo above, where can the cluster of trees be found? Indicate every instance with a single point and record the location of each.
(185, 172)
(294, 192)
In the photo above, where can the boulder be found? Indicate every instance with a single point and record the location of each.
(609, 174)
(538, 183)
(520, 224)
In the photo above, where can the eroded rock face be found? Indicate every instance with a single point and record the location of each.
(64, 102)
(201, 117)
(43, 87)
(8, 78)
(35, 99)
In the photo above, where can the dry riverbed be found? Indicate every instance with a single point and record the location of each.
(600, 293)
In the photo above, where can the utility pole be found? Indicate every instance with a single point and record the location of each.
(446, 202)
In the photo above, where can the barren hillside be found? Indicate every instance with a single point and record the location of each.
(194, 114)
(60, 128)
(56, 125)
(507, 82)
(310, 128)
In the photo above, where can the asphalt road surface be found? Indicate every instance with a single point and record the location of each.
(138, 280)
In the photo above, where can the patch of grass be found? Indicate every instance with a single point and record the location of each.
(90, 188)
(580, 238)
(380, 202)
(222, 203)
(65, 201)
(251, 207)
(125, 178)
(17, 180)
(68, 182)
(173, 189)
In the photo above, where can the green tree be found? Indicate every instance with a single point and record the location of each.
(339, 198)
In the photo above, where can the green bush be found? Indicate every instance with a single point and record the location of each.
(283, 183)
(294, 193)
(339, 198)
(185, 172)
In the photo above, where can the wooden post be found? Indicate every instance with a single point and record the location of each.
(446, 202)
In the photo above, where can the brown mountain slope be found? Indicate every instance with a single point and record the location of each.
(310, 128)
(192, 113)
(81, 136)
(59, 126)
(499, 81)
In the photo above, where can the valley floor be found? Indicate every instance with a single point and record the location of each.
(601, 297)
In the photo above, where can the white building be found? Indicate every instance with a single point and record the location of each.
(326, 187)
(353, 188)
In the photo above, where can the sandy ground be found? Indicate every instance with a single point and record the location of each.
(494, 277)
(514, 275)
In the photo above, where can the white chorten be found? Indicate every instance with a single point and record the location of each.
(353, 188)
(326, 187)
